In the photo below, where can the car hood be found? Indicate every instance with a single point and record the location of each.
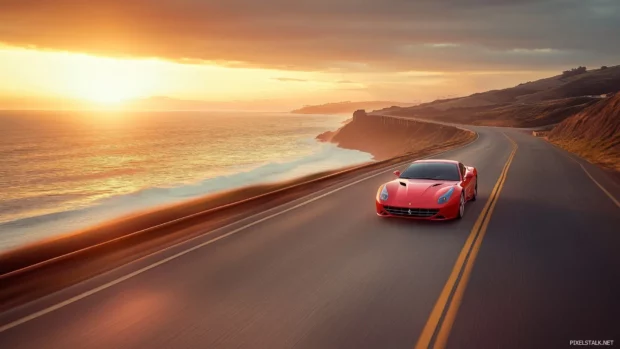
(414, 192)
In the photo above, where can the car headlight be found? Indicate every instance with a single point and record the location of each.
(445, 197)
(384, 193)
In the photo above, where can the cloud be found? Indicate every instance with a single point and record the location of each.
(327, 35)
(443, 45)
(534, 50)
(290, 80)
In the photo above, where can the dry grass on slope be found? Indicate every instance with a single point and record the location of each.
(594, 133)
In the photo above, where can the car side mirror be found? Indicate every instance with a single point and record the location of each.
(469, 175)
(397, 173)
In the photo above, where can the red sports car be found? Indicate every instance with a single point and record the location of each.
(429, 189)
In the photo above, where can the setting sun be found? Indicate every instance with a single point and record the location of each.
(107, 80)
(102, 80)
(106, 91)
(106, 86)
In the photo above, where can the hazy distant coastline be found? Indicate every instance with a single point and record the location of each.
(348, 107)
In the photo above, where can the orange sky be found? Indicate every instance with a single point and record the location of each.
(29, 74)
(106, 52)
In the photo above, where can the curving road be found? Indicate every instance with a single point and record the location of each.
(542, 268)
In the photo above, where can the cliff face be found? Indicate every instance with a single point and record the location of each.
(386, 137)
(594, 133)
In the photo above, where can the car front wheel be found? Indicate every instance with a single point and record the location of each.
(461, 207)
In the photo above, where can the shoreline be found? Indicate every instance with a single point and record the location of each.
(69, 171)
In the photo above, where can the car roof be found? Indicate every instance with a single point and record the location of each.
(438, 160)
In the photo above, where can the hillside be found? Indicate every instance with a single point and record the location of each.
(347, 107)
(594, 133)
(535, 103)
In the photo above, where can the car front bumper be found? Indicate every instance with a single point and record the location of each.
(447, 211)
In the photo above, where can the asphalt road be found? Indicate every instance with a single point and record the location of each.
(329, 273)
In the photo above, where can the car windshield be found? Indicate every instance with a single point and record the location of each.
(432, 170)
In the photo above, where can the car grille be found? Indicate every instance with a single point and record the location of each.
(411, 212)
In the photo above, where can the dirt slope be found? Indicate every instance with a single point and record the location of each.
(594, 133)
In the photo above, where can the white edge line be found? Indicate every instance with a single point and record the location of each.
(168, 259)
(568, 155)
(594, 180)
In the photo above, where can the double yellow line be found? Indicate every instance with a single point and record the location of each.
(437, 329)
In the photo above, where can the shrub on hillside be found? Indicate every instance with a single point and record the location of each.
(573, 72)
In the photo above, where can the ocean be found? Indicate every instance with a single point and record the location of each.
(67, 170)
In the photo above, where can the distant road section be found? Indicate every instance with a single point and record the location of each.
(326, 272)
